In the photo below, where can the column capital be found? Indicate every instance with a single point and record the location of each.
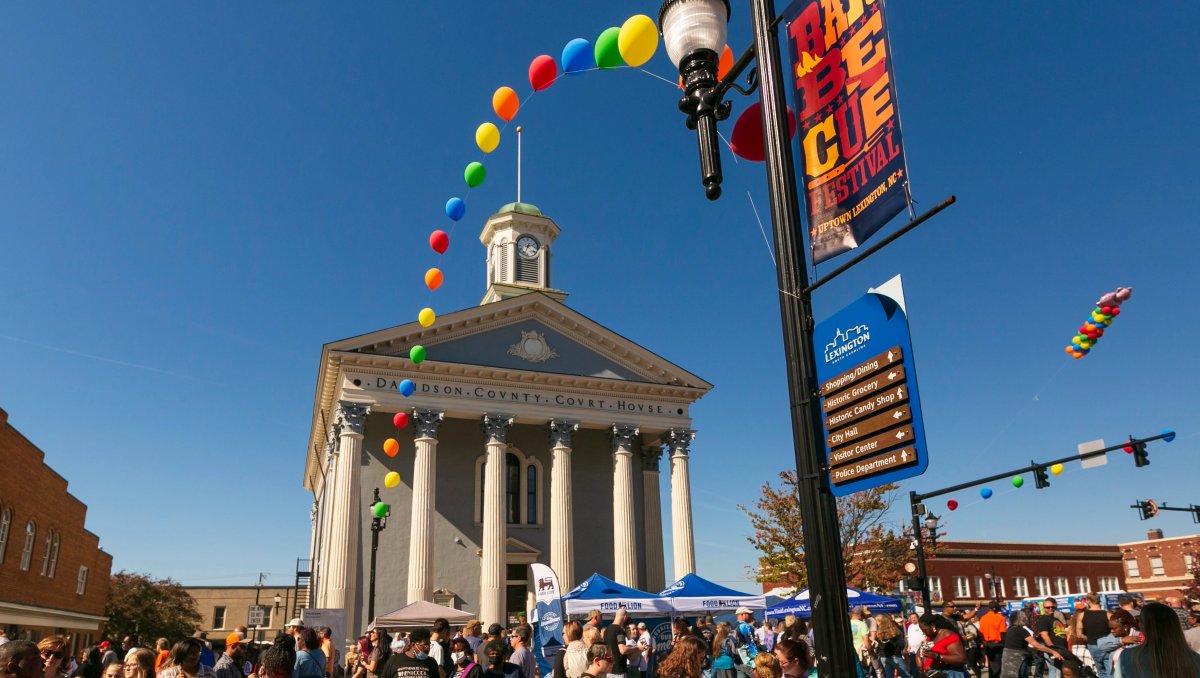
(425, 423)
(561, 431)
(622, 437)
(650, 456)
(352, 416)
(679, 440)
(495, 427)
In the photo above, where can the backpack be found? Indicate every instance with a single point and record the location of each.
(575, 660)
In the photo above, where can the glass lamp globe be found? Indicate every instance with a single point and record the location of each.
(691, 25)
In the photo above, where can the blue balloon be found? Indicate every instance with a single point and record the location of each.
(1168, 434)
(406, 388)
(455, 208)
(578, 57)
(986, 493)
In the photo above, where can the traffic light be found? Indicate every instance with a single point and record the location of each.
(1148, 508)
(1138, 449)
(914, 583)
(1040, 479)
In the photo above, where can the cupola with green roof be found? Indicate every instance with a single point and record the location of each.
(518, 238)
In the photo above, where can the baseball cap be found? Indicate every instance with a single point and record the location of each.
(495, 630)
(743, 610)
(104, 643)
(641, 625)
(295, 622)
(233, 639)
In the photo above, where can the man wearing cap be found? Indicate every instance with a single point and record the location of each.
(593, 620)
(746, 642)
(109, 656)
(992, 627)
(230, 663)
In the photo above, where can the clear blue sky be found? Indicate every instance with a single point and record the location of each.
(195, 197)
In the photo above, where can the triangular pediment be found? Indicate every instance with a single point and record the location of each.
(532, 333)
(516, 547)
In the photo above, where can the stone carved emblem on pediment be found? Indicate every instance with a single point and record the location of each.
(532, 348)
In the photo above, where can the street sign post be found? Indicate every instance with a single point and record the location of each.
(874, 432)
(256, 615)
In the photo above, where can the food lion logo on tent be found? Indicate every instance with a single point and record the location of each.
(545, 585)
(550, 622)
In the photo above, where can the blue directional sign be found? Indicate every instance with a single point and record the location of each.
(874, 432)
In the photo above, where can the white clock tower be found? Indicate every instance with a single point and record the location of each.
(518, 238)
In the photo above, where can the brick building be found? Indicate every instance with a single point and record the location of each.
(225, 608)
(966, 571)
(54, 577)
(1159, 567)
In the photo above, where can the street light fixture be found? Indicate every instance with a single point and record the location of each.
(378, 524)
(931, 524)
(694, 36)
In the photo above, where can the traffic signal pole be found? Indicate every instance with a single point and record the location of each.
(1150, 508)
(1137, 447)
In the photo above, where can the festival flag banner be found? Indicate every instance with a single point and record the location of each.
(548, 615)
(854, 176)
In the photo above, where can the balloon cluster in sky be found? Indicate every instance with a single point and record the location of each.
(631, 44)
(1107, 308)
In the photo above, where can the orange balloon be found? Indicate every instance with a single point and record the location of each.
(505, 103)
(433, 278)
(723, 65)
(390, 447)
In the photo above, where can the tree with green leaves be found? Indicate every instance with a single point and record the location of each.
(873, 552)
(149, 608)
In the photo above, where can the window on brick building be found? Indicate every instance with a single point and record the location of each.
(1020, 587)
(1188, 559)
(935, 588)
(5, 522)
(46, 552)
(1082, 585)
(962, 587)
(1109, 584)
(1043, 585)
(54, 554)
(81, 581)
(1156, 567)
(1131, 568)
(219, 617)
(980, 592)
(1061, 586)
(27, 551)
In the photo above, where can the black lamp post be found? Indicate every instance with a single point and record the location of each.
(378, 524)
(931, 526)
(694, 33)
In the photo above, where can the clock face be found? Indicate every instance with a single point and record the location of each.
(527, 246)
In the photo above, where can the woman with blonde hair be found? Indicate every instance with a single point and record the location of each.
(889, 645)
(766, 665)
(724, 649)
(686, 659)
(139, 664)
(54, 656)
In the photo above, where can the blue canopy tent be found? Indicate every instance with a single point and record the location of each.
(601, 593)
(694, 593)
(799, 605)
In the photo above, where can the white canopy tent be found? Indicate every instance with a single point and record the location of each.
(420, 613)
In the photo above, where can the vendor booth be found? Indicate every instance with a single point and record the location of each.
(601, 593)
(695, 594)
(418, 614)
(799, 604)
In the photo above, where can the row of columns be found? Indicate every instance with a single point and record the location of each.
(340, 526)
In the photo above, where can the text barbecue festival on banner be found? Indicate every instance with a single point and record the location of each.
(854, 176)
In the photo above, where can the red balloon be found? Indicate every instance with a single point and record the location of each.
(747, 138)
(439, 241)
(1106, 310)
(1116, 311)
(542, 72)
(400, 420)
(952, 504)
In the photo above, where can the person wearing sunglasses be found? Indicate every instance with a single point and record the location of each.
(600, 661)
(1052, 631)
(53, 651)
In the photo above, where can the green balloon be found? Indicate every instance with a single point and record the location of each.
(608, 54)
(380, 510)
(1018, 481)
(417, 354)
(474, 174)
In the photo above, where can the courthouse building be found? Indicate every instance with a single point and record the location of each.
(536, 435)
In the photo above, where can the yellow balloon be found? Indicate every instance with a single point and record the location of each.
(392, 479)
(426, 317)
(487, 137)
(1057, 469)
(637, 40)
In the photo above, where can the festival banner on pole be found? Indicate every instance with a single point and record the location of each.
(549, 616)
(854, 176)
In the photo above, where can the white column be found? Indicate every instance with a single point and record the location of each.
(495, 522)
(678, 440)
(652, 519)
(345, 535)
(624, 529)
(562, 542)
(424, 486)
(317, 591)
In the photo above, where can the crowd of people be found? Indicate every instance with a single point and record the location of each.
(1157, 640)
